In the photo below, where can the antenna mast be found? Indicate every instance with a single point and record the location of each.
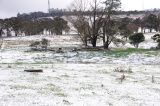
(48, 6)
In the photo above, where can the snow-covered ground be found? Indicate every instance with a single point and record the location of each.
(79, 85)
(85, 78)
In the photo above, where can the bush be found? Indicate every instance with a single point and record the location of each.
(158, 40)
(136, 39)
(123, 70)
(35, 44)
(41, 45)
(44, 43)
(155, 37)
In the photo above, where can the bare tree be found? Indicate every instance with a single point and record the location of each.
(87, 21)
(79, 21)
(97, 21)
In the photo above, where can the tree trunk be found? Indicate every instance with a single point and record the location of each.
(85, 42)
(1, 31)
(94, 41)
(16, 34)
(8, 33)
(136, 45)
(106, 45)
(150, 30)
(126, 38)
(142, 29)
(104, 36)
(61, 32)
(94, 37)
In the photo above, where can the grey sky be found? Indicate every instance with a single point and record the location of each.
(10, 8)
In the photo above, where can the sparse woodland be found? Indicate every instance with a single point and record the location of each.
(92, 20)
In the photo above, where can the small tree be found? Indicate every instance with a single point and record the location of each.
(82, 27)
(136, 39)
(156, 38)
(59, 25)
(110, 33)
(127, 27)
(110, 27)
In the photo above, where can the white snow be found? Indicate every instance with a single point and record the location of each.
(79, 85)
(76, 79)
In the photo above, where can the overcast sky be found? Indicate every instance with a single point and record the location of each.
(10, 8)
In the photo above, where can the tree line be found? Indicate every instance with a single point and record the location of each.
(20, 26)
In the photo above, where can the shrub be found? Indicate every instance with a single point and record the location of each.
(158, 40)
(40, 44)
(35, 44)
(136, 39)
(44, 43)
(155, 37)
(123, 70)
